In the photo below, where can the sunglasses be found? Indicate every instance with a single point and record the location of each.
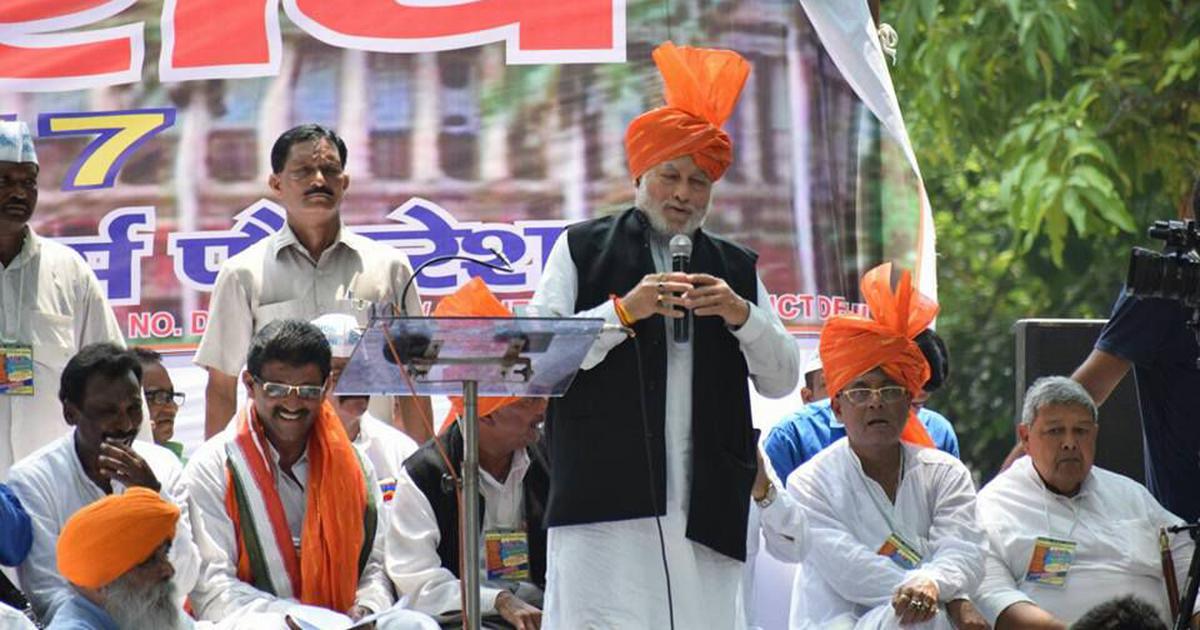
(164, 396)
(280, 390)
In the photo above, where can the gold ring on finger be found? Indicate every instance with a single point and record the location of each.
(658, 298)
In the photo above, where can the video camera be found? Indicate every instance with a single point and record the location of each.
(1174, 273)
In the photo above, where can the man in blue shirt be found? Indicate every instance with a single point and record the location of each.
(1151, 336)
(16, 535)
(806, 432)
(114, 554)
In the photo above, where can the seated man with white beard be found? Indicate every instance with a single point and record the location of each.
(114, 554)
(1064, 535)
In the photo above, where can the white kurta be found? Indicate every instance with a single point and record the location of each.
(386, 446)
(52, 486)
(51, 299)
(850, 517)
(609, 575)
(219, 593)
(413, 537)
(1114, 522)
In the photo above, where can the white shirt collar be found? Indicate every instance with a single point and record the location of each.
(516, 472)
(286, 237)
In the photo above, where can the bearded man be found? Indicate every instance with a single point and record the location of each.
(678, 469)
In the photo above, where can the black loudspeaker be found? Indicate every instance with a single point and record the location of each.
(1049, 347)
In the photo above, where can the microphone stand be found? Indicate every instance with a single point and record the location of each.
(507, 268)
(1184, 620)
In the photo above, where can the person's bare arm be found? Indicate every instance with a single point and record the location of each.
(1027, 616)
(409, 414)
(1100, 374)
(220, 401)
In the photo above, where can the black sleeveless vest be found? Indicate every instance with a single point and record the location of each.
(597, 446)
(429, 473)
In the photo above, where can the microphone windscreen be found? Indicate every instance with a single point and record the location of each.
(681, 245)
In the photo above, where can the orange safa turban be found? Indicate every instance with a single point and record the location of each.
(104, 540)
(473, 300)
(852, 345)
(701, 87)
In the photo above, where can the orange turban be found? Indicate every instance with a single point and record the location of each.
(852, 345)
(104, 540)
(701, 86)
(473, 300)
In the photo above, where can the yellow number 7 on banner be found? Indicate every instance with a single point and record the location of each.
(118, 135)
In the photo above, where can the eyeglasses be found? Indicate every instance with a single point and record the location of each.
(164, 396)
(280, 390)
(863, 395)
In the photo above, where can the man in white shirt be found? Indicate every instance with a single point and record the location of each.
(1064, 535)
(685, 459)
(386, 446)
(51, 305)
(312, 266)
(893, 539)
(289, 506)
(101, 396)
(423, 543)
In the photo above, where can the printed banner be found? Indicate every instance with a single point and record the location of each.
(472, 127)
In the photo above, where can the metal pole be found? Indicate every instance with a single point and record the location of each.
(469, 523)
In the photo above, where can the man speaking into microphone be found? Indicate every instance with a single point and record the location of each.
(658, 425)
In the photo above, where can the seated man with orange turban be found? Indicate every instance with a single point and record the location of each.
(685, 458)
(289, 507)
(423, 530)
(892, 530)
(114, 553)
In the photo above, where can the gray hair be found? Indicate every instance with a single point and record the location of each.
(1055, 390)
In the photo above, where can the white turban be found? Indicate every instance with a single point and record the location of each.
(341, 331)
(16, 143)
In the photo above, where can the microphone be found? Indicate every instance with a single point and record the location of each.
(681, 259)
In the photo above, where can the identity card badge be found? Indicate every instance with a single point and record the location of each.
(507, 555)
(16, 369)
(900, 552)
(1050, 562)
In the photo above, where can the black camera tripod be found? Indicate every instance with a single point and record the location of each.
(1184, 620)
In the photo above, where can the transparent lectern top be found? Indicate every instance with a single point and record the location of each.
(527, 356)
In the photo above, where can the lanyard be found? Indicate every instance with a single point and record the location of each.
(883, 510)
(20, 307)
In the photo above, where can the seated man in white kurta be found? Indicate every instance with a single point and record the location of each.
(1064, 535)
(892, 531)
(101, 396)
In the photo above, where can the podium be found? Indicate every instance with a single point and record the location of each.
(471, 357)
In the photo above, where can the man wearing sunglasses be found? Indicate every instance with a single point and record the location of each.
(892, 531)
(162, 400)
(289, 506)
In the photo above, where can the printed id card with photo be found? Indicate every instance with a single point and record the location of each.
(16, 369)
(1051, 561)
(507, 555)
(902, 553)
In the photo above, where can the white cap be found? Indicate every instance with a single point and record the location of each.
(814, 363)
(342, 332)
(16, 143)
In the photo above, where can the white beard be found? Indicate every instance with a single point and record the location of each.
(654, 213)
(133, 607)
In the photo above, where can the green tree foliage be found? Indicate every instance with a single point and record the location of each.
(1050, 134)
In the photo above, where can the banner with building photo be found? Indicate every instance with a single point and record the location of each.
(470, 125)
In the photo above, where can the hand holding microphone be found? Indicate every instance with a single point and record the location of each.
(657, 294)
